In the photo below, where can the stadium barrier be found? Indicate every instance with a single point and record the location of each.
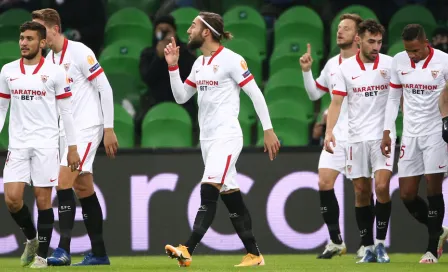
(150, 198)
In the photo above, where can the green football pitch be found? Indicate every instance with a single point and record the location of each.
(399, 262)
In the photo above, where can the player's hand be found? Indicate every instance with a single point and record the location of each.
(271, 143)
(73, 158)
(172, 53)
(329, 142)
(110, 142)
(386, 144)
(306, 60)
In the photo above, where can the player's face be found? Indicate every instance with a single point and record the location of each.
(370, 45)
(51, 32)
(30, 44)
(346, 33)
(195, 38)
(417, 50)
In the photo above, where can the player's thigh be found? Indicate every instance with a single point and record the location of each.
(66, 178)
(435, 153)
(410, 161)
(220, 162)
(45, 167)
(357, 164)
(382, 166)
(87, 144)
(84, 185)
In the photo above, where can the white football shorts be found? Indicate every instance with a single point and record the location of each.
(422, 155)
(220, 157)
(37, 165)
(335, 161)
(365, 158)
(88, 141)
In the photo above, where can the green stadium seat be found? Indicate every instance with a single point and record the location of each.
(245, 49)
(363, 11)
(289, 124)
(245, 22)
(184, 17)
(246, 122)
(399, 124)
(122, 56)
(125, 86)
(167, 125)
(229, 4)
(410, 14)
(124, 127)
(130, 24)
(4, 135)
(288, 53)
(302, 21)
(287, 84)
(325, 101)
(10, 21)
(10, 51)
(147, 6)
(396, 48)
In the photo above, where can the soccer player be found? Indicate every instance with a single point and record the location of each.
(420, 74)
(93, 112)
(364, 79)
(330, 165)
(217, 76)
(36, 88)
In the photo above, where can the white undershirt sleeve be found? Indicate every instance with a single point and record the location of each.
(252, 90)
(310, 86)
(107, 99)
(182, 91)
(65, 109)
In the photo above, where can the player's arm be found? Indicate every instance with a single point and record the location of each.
(339, 93)
(92, 70)
(182, 91)
(394, 101)
(5, 97)
(63, 102)
(443, 106)
(240, 73)
(314, 89)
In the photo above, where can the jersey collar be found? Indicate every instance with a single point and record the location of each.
(22, 66)
(340, 59)
(64, 49)
(428, 59)
(361, 64)
(220, 48)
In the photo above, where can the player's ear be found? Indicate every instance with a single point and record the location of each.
(42, 43)
(357, 39)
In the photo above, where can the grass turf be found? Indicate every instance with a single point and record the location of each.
(399, 262)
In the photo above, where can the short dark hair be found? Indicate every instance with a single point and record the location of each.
(371, 26)
(30, 25)
(352, 16)
(413, 32)
(49, 16)
(215, 20)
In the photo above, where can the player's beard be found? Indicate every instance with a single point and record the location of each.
(348, 44)
(31, 55)
(195, 43)
(368, 55)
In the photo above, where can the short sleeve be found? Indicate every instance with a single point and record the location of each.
(239, 71)
(394, 79)
(321, 81)
(4, 87)
(445, 68)
(89, 65)
(61, 85)
(340, 87)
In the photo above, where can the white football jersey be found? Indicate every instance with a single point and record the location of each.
(33, 90)
(218, 80)
(81, 67)
(325, 82)
(366, 86)
(422, 84)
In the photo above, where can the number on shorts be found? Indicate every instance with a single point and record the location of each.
(402, 151)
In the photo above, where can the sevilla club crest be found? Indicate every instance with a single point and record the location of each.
(434, 74)
(349, 169)
(66, 66)
(44, 78)
(215, 68)
(383, 73)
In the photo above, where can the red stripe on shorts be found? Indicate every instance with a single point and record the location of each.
(226, 169)
(85, 155)
(351, 153)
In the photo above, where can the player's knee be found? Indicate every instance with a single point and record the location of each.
(382, 188)
(13, 202)
(43, 202)
(66, 178)
(362, 193)
(407, 195)
(83, 186)
(209, 194)
(325, 184)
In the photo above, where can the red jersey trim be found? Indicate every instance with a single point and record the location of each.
(220, 48)
(64, 95)
(6, 96)
(36, 70)
(395, 86)
(247, 80)
(64, 49)
(339, 93)
(173, 68)
(189, 82)
(323, 88)
(94, 75)
(361, 64)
